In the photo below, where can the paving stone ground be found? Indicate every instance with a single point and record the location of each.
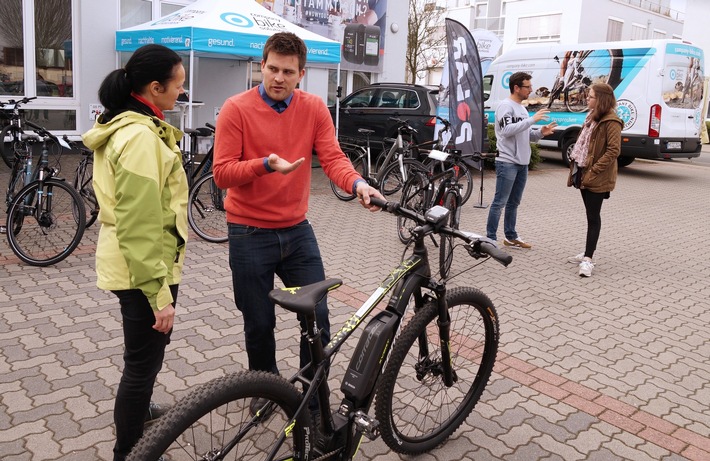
(613, 367)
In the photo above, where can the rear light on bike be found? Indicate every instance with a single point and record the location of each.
(431, 122)
(654, 123)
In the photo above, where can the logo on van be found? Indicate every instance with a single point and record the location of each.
(626, 110)
(506, 79)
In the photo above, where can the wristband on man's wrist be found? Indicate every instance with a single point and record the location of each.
(266, 165)
(359, 180)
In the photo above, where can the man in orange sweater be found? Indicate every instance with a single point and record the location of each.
(263, 152)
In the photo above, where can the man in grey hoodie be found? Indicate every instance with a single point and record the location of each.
(514, 133)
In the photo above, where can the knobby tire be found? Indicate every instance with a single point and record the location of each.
(416, 411)
(209, 417)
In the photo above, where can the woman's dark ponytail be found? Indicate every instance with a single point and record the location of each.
(149, 63)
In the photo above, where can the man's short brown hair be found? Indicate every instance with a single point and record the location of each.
(517, 79)
(288, 44)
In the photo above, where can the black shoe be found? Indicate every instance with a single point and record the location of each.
(155, 411)
(257, 403)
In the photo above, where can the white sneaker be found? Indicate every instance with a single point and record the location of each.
(576, 259)
(585, 268)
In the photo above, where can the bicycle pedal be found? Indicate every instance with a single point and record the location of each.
(367, 425)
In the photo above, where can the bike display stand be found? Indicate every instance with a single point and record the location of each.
(480, 203)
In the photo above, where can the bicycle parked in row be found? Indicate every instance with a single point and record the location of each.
(423, 382)
(83, 180)
(391, 166)
(205, 213)
(46, 218)
(14, 130)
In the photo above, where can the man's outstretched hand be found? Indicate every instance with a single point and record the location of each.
(283, 166)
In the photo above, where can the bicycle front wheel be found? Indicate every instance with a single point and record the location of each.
(414, 196)
(393, 178)
(7, 149)
(416, 410)
(214, 422)
(452, 201)
(83, 185)
(205, 213)
(44, 225)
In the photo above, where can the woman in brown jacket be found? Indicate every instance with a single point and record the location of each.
(593, 166)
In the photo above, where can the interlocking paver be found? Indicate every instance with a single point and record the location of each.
(606, 368)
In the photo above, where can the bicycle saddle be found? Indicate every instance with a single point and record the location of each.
(303, 300)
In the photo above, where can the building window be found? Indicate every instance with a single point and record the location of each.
(134, 12)
(613, 30)
(638, 31)
(659, 33)
(12, 51)
(53, 48)
(539, 28)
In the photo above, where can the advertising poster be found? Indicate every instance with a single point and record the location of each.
(358, 25)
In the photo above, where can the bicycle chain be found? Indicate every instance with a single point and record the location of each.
(328, 455)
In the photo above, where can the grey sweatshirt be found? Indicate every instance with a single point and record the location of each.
(514, 133)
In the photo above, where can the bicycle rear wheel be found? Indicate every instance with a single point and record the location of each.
(356, 159)
(83, 184)
(45, 225)
(202, 425)
(205, 213)
(452, 201)
(416, 411)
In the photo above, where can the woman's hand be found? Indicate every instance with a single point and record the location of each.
(164, 319)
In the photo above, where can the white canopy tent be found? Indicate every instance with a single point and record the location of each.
(238, 28)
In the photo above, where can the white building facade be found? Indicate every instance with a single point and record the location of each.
(59, 51)
(528, 22)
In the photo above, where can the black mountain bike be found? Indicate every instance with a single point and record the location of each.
(46, 219)
(426, 379)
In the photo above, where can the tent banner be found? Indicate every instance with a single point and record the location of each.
(465, 88)
(223, 27)
(176, 39)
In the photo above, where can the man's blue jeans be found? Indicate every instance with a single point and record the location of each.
(510, 183)
(255, 256)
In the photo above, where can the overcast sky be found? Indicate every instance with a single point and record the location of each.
(678, 5)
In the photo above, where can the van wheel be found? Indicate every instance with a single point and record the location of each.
(567, 146)
(624, 161)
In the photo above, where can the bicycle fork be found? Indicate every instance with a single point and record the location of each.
(444, 323)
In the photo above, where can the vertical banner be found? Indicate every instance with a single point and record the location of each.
(465, 89)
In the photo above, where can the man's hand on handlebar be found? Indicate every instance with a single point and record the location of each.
(364, 193)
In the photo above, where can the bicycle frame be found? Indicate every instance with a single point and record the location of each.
(406, 281)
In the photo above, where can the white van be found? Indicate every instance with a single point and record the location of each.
(658, 85)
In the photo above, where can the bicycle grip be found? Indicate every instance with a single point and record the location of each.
(384, 204)
(496, 253)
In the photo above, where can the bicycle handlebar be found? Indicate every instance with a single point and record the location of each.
(16, 103)
(42, 131)
(477, 245)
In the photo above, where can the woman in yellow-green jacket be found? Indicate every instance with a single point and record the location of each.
(142, 193)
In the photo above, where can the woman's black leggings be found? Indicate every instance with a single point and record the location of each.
(144, 349)
(593, 205)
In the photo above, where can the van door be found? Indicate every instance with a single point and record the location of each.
(682, 95)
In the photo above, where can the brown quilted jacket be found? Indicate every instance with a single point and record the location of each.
(604, 147)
